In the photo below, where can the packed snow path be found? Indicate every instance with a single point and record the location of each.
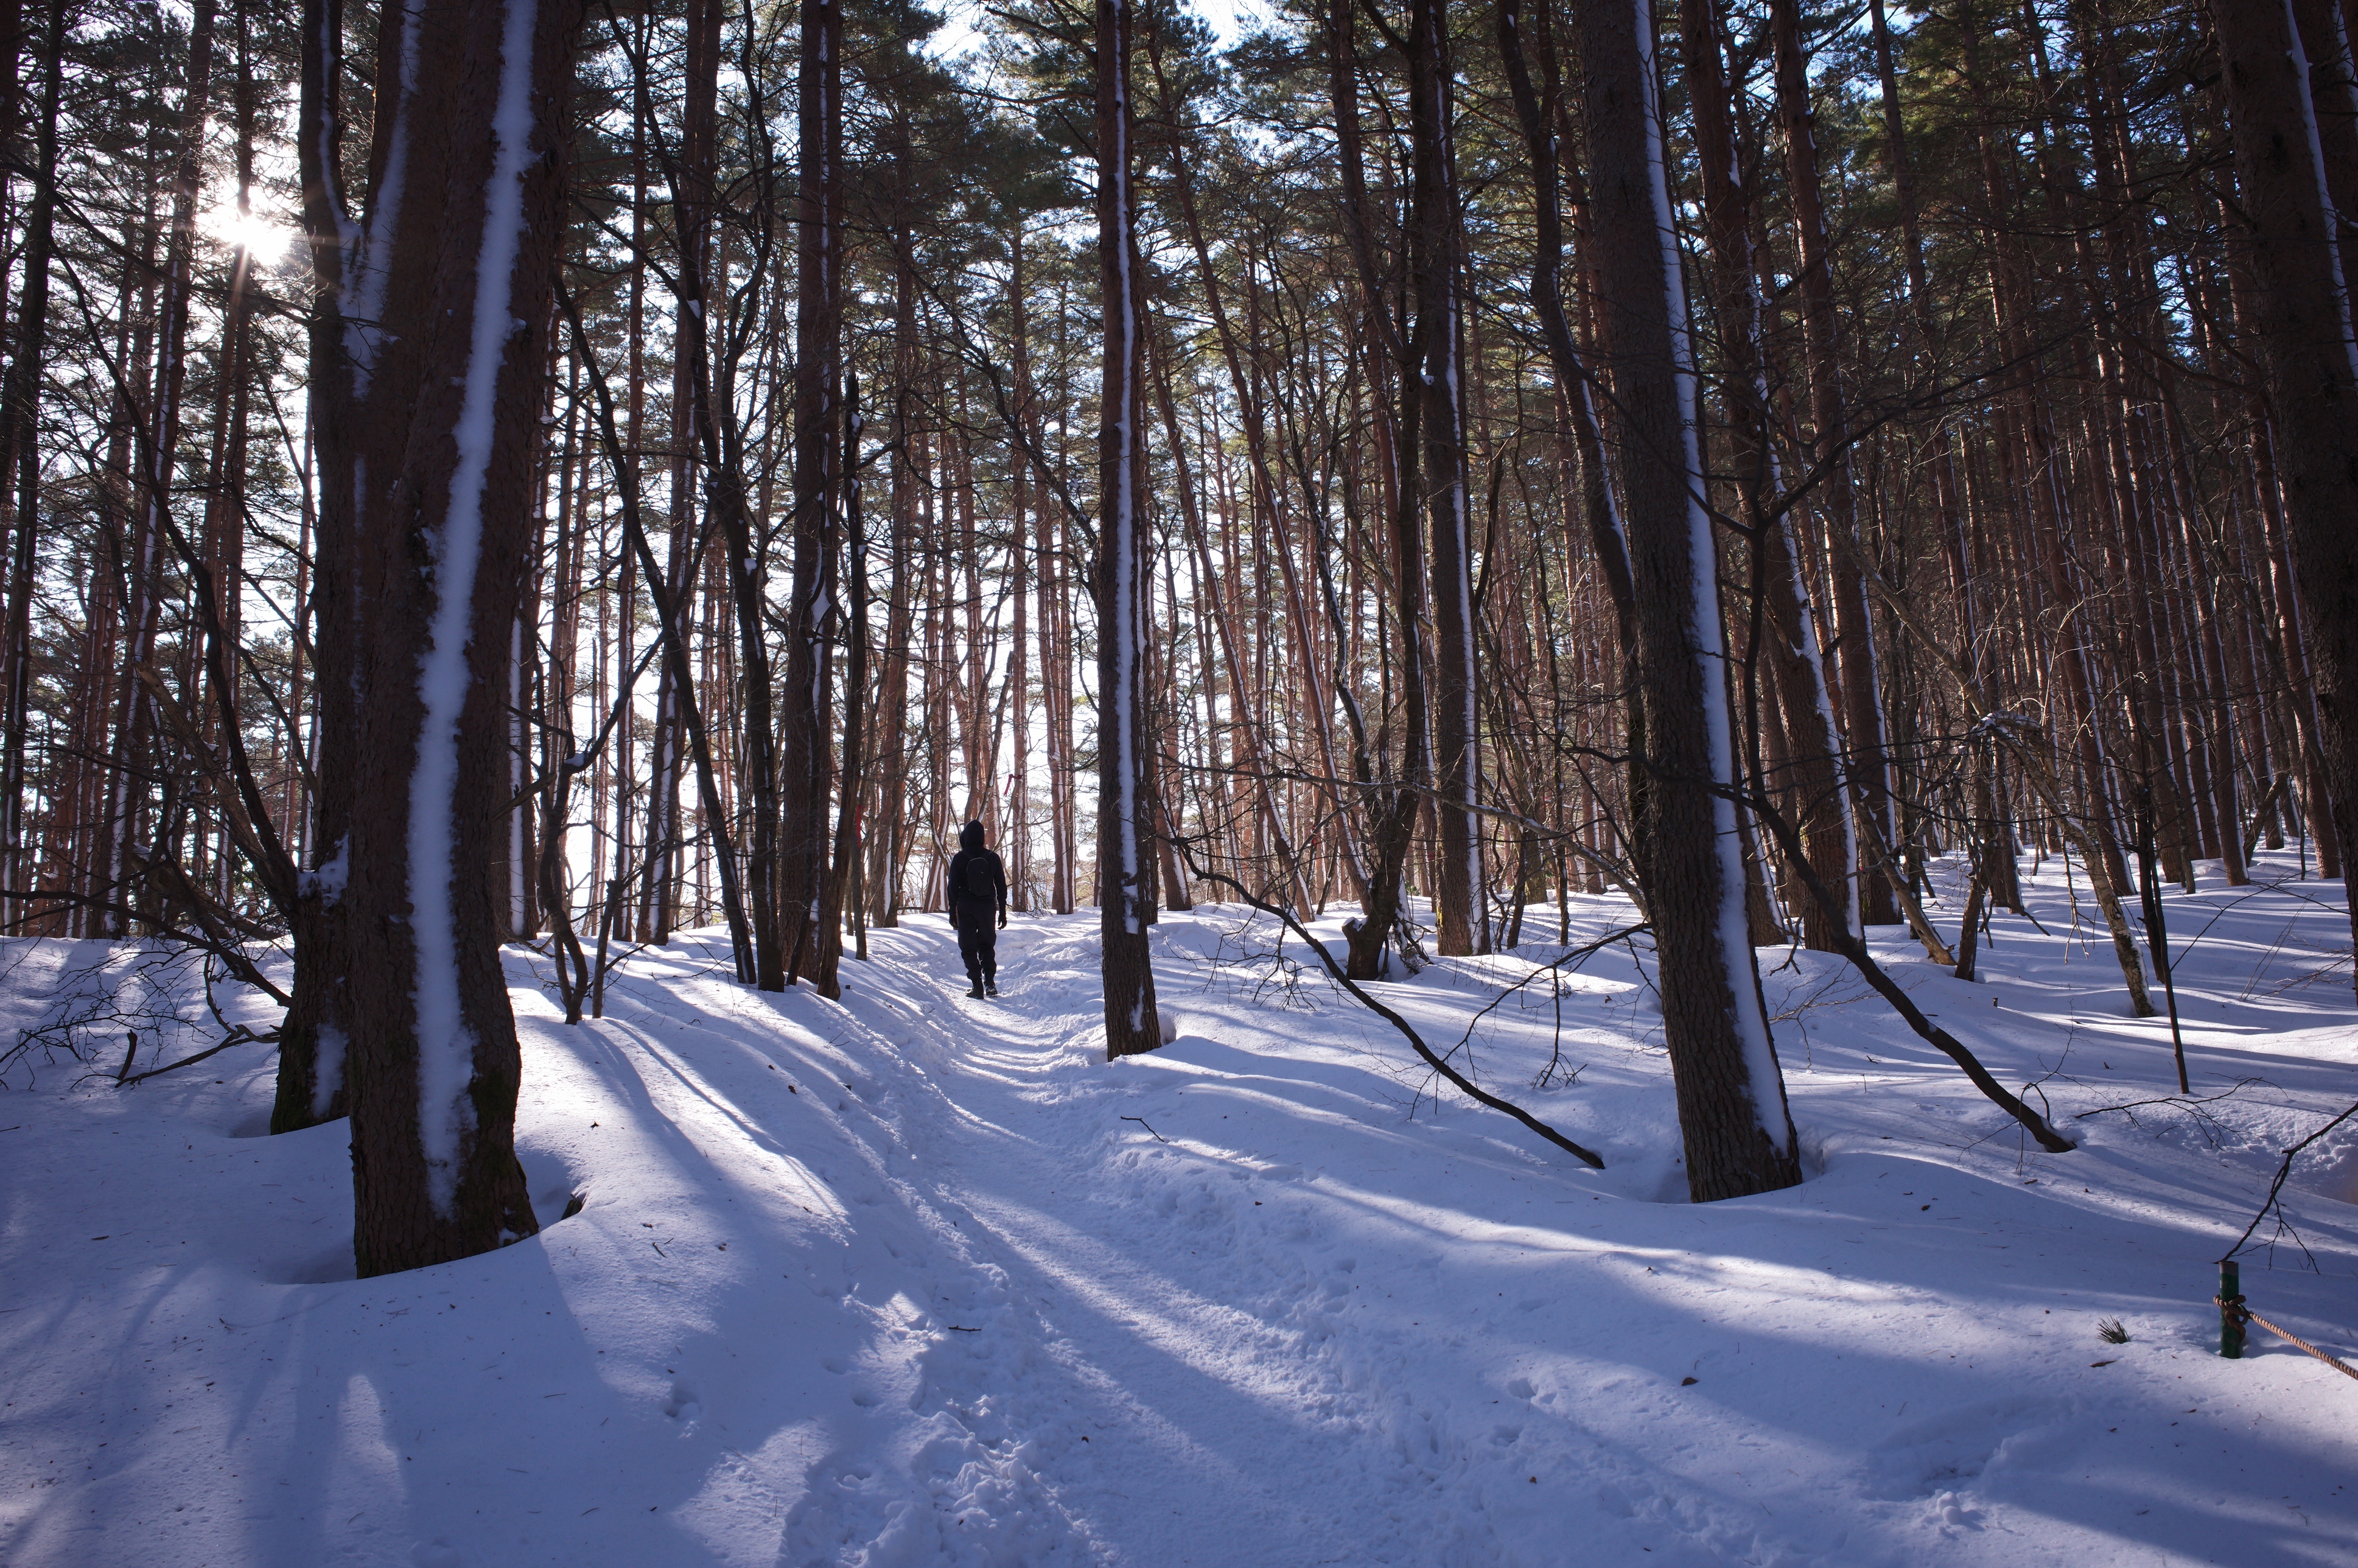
(899, 1281)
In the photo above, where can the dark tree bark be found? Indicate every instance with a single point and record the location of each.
(712, 427)
(1854, 643)
(1738, 1133)
(660, 898)
(1392, 803)
(1540, 108)
(131, 840)
(1811, 770)
(467, 224)
(1460, 901)
(818, 355)
(2302, 311)
(842, 892)
(20, 465)
(314, 1037)
(1125, 874)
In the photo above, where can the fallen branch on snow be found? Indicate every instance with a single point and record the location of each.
(1340, 977)
(2275, 1193)
(1848, 943)
(2203, 1120)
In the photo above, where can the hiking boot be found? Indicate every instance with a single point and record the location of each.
(990, 987)
(977, 991)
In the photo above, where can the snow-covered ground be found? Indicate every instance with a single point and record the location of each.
(914, 1280)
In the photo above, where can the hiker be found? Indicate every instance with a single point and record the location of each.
(977, 886)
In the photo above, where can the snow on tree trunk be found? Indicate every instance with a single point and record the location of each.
(452, 391)
(446, 1042)
(1815, 773)
(312, 1040)
(1125, 887)
(1867, 769)
(1737, 1132)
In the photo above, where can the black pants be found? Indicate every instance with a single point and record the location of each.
(977, 932)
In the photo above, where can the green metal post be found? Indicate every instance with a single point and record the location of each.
(2231, 1314)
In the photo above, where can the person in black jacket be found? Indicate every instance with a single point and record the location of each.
(978, 888)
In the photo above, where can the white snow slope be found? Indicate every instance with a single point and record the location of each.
(912, 1280)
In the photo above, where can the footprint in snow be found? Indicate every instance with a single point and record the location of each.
(1929, 1458)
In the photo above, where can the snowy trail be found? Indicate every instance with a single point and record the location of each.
(1140, 1392)
(1199, 1309)
(895, 1281)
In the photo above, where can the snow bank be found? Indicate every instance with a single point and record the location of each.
(915, 1279)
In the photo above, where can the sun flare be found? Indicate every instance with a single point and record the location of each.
(265, 238)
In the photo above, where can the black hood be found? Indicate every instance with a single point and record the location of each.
(970, 835)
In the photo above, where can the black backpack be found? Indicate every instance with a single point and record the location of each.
(981, 887)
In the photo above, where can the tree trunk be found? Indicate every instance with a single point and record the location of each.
(1738, 1133)
(467, 226)
(1812, 769)
(1392, 806)
(1125, 876)
(20, 465)
(1853, 644)
(851, 789)
(314, 1037)
(803, 749)
(1459, 898)
(2310, 357)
